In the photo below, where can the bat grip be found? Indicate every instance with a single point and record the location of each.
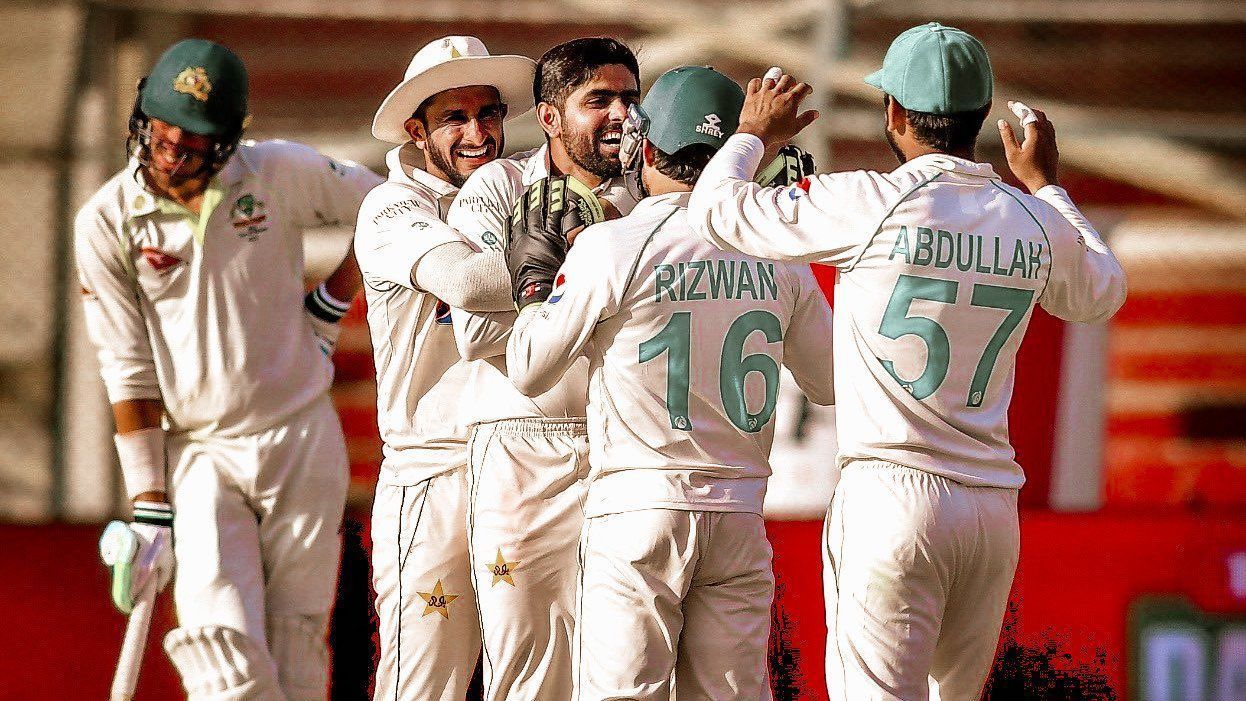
(125, 681)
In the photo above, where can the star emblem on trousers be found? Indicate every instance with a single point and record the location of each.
(437, 601)
(502, 569)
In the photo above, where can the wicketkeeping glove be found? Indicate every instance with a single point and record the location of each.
(788, 168)
(137, 552)
(536, 235)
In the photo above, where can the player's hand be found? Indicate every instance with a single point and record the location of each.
(790, 166)
(544, 222)
(771, 109)
(139, 553)
(1036, 160)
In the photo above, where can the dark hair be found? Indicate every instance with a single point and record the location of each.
(947, 132)
(571, 64)
(686, 164)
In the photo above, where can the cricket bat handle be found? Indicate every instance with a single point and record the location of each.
(131, 659)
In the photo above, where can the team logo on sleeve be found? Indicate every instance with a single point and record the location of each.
(442, 313)
(559, 283)
(249, 216)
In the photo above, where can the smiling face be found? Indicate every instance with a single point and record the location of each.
(590, 122)
(459, 130)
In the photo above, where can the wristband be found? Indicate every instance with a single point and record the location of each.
(324, 306)
(142, 459)
(155, 513)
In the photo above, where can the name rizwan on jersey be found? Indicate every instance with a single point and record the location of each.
(714, 279)
(943, 249)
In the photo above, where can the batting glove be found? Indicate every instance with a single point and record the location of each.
(138, 553)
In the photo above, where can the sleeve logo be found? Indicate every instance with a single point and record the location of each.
(559, 283)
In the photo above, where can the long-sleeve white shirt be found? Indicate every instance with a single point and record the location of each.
(480, 213)
(684, 344)
(205, 312)
(419, 374)
(940, 266)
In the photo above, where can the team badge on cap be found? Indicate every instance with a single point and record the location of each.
(194, 82)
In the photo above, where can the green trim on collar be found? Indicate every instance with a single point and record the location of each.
(211, 199)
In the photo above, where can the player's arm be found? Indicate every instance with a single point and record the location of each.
(115, 326)
(479, 213)
(400, 242)
(812, 221)
(548, 337)
(1086, 282)
(807, 341)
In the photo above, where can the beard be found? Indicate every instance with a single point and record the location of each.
(444, 161)
(584, 148)
(891, 141)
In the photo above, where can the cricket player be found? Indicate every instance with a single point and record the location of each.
(448, 114)
(528, 457)
(940, 267)
(684, 345)
(218, 370)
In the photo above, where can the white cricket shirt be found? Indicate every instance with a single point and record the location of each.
(940, 267)
(419, 374)
(205, 312)
(684, 344)
(480, 213)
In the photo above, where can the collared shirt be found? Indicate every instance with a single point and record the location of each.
(205, 311)
(480, 213)
(684, 343)
(940, 267)
(419, 374)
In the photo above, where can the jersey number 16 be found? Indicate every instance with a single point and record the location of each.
(676, 340)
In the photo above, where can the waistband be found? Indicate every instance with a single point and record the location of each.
(535, 427)
(863, 465)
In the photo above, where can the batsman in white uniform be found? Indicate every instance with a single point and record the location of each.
(940, 267)
(446, 116)
(218, 369)
(528, 457)
(684, 345)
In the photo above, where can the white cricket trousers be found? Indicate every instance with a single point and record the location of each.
(257, 546)
(916, 571)
(667, 592)
(524, 519)
(429, 630)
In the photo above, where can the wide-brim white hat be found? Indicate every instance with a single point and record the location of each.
(448, 63)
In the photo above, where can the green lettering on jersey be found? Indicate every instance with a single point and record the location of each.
(698, 269)
(944, 243)
(765, 277)
(901, 245)
(1036, 257)
(923, 253)
(978, 266)
(964, 251)
(995, 266)
(664, 275)
(722, 279)
(746, 282)
(1018, 260)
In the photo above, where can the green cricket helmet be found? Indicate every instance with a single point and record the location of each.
(200, 86)
(685, 106)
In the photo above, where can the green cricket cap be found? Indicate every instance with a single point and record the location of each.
(936, 69)
(692, 105)
(197, 85)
